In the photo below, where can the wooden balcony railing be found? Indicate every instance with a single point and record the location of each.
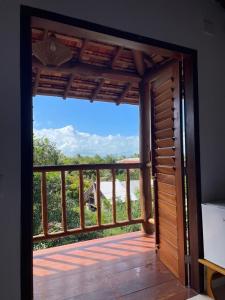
(62, 170)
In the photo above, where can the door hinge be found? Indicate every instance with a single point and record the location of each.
(187, 259)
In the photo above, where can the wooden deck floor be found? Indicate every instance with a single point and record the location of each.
(123, 267)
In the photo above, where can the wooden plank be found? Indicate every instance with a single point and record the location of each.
(63, 201)
(165, 160)
(82, 50)
(169, 239)
(114, 195)
(169, 179)
(165, 124)
(165, 151)
(165, 169)
(116, 56)
(98, 195)
(124, 93)
(164, 133)
(167, 188)
(128, 194)
(165, 105)
(165, 87)
(178, 143)
(139, 62)
(165, 83)
(81, 200)
(90, 71)
(168, 224)
(69, 84)
(170, 198)
(168, 235)
(171, 219)
(168, 256)
(163, 78)
(212, 266)
(167, 94)
(116, 166)
(69, 232)
(165, 114)
(97, 90)
(161, 143)
(145, 133)
(171, 209)
(172, 251)
(44, 204)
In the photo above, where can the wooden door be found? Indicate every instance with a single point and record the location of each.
(167, 162)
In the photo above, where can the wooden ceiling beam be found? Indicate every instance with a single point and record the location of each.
(124, 93)
(69, 84)
(117, 55)
(139, 62)
(90, 71)
(157, 70)
(37, 78)
(97, 90)
(82, 49)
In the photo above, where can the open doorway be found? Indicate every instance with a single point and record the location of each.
(136, 71)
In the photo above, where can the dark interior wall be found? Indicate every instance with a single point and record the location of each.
(177, 21)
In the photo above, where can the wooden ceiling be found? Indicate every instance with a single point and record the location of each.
(99, 70)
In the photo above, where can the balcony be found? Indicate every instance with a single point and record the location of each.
(118, 267)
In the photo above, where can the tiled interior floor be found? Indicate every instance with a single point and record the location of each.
(121, 267)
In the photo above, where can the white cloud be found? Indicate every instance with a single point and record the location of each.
(71, 141)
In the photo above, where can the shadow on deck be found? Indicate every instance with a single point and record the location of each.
(118, 267)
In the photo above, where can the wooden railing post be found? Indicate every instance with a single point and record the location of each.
(63, 201)
(44, 204)
(128, 194)
(145, 133)
(81, 199)
(114, 196)
(98, 196)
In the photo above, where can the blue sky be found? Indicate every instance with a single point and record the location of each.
(78, 126)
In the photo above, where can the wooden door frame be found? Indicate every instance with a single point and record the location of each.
(192, 139)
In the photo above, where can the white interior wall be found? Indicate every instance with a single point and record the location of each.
(176, 21)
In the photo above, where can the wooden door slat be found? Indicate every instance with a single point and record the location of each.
(169, 179)
(164, 133)
(165, 105)
(164, 124)
(170, 151)
(163, 87)
(167, 188)
(165, 169)
(167, 197)
(165, 143)
(165, 160)
(168, 113)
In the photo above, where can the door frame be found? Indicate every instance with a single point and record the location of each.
(192, 140)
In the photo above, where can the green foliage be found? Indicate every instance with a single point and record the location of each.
(46, 153)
